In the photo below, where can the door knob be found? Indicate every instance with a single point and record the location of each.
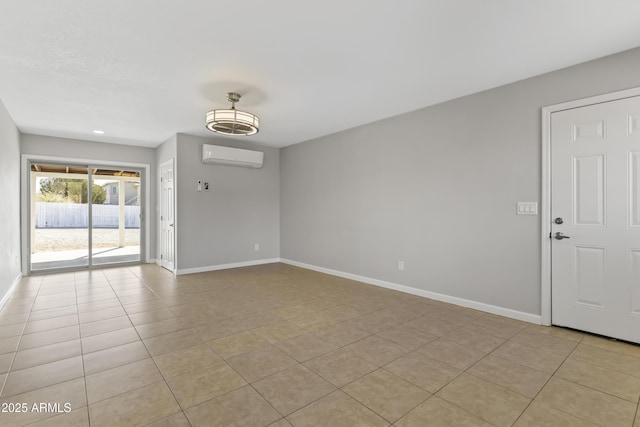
(559, 236)
(559, 220)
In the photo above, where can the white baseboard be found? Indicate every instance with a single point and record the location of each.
(501, 311)
(6, 296)
(226, 266)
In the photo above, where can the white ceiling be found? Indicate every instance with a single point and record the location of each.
(143, 70)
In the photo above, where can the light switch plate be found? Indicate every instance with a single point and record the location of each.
(527, 208)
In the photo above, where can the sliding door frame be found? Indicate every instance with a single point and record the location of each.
(25, 195)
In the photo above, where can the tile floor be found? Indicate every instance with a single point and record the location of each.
(277, 345)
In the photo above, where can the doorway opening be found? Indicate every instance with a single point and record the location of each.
(83, 216)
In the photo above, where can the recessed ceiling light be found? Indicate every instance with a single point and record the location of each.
(98, 132)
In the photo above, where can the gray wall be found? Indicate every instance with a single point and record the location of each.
(10, 258)
(437, 188)
(73, 148)
(240, 209)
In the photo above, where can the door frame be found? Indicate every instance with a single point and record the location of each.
(171, 162)
(545, 201)
(25, 182)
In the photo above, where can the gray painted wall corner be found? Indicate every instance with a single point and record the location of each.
(241, 208)
(10, 252)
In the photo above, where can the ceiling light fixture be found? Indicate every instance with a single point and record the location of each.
(232, 121)
(98, 132)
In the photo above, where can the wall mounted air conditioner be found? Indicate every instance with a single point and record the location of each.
(219, 155)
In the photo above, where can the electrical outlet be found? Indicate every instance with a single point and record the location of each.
(256, 247)
(401, 265)
(206, 186)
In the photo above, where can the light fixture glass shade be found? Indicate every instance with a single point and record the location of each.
(232, 122)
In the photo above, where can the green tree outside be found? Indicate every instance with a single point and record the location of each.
(63, 190)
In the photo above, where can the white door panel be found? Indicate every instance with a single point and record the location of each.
(595, 175)
(167, 221)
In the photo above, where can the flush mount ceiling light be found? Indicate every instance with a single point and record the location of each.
(232, 121)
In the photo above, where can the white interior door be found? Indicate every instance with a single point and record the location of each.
(167, 221)
(595, 202)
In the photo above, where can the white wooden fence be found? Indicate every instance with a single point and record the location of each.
(74, 215)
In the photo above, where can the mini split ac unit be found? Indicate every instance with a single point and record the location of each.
(219, 155)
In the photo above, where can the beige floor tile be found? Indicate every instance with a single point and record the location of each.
(109, 339)
(258, 320)
(112, 382)
(71, 392)
(306, 347)
(432, 326)
(236, 344)
(196, 386)
(75, 418)
(46, 354)
(151, 316)
(98, 305)
(106, 313)
(313, 321)
(407, 337)
(11, 330)
(533, 357)
(492, 403)
(607, 359)
(43, 376)
(192, 358)
(102, 326)
(341, 334)
(49, 337)
(436, 412)
(377, 350)
(472, 338)
(48, 324)
(219, 329)
(538, 414)
(500, 328)
(340, 367)
(342, 312)
(611, 382)
(586, 403)
(261, 363)
(241, 407)
(12, 319)
(280, 423)
(456, 355)
(612, 344)
(386, 394)
(150, 330)
(5, 363)
(280, 331)
(567, 334)
(53, 313)
(113, 357)
(372, 323)
(137, 407)
(293, 388)
(9, 345)
(291, 311)
(510, 375)
(637, 423)
(427, 373)
(335, 410)
(144, 306)
(551, 344)
(175, 420)
(171, 342)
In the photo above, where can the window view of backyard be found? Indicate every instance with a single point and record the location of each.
(62, 235)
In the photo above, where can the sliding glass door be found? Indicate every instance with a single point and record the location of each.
(115, 223)
(83, 216)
